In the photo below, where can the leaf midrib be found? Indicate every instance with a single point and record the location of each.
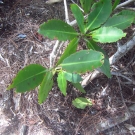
(95, 18)
(66, 64)
(120, 23)
(108, 35)
(30, 77)
(73, 33)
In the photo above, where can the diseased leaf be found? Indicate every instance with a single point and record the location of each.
(120, 21)
(100, 13)
(86, 5)
(78, 16)
(71, 48)
(28, 78)
(81, 102)
(45, 87)
(71, 77)
(79, 87)
(82, 61)
(57, 29)
(107, 34)
(62, 83)
(105, 68)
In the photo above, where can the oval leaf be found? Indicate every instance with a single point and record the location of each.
(107, 34)
(100, 14)
(62, 83)
(81, 102)
(57, 29)
(71, 77)
(45, 87)
(71, 48)
(28, 78)
(78, 16)
(82, 61)
(120, 21)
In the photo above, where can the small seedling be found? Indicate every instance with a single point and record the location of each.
(101, 26)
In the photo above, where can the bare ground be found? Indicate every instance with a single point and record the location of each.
(20, 45)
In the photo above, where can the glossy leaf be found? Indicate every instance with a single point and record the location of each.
(71, 48)
(86, 5)
(71, 77)
(78, 16)
(99, 14)
(105, 68)
(82, 61)
(57, 29)
(107, 34)
(45, 87)
(62, 83)
(120, 21)
(81, 102)
(115, 4)
(79, 87)
(28, 78)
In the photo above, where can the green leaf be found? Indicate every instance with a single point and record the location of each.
(107, 34)
(82, 61)
(120, 21)
(71, 48)
(127, 13)
(57, 29)
(78, 16)
(71, 77)
(81, 102)
(115, 4)
(62, 83)
(79, 87)
(105, 68)
(99, 14)
(86, 5)
(45, 87)
(28, 78)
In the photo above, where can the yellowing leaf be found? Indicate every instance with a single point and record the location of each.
(81, 102)
(107, 34)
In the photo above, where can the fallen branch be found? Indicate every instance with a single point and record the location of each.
(124, 3)
(111, 122)
(122, 50)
